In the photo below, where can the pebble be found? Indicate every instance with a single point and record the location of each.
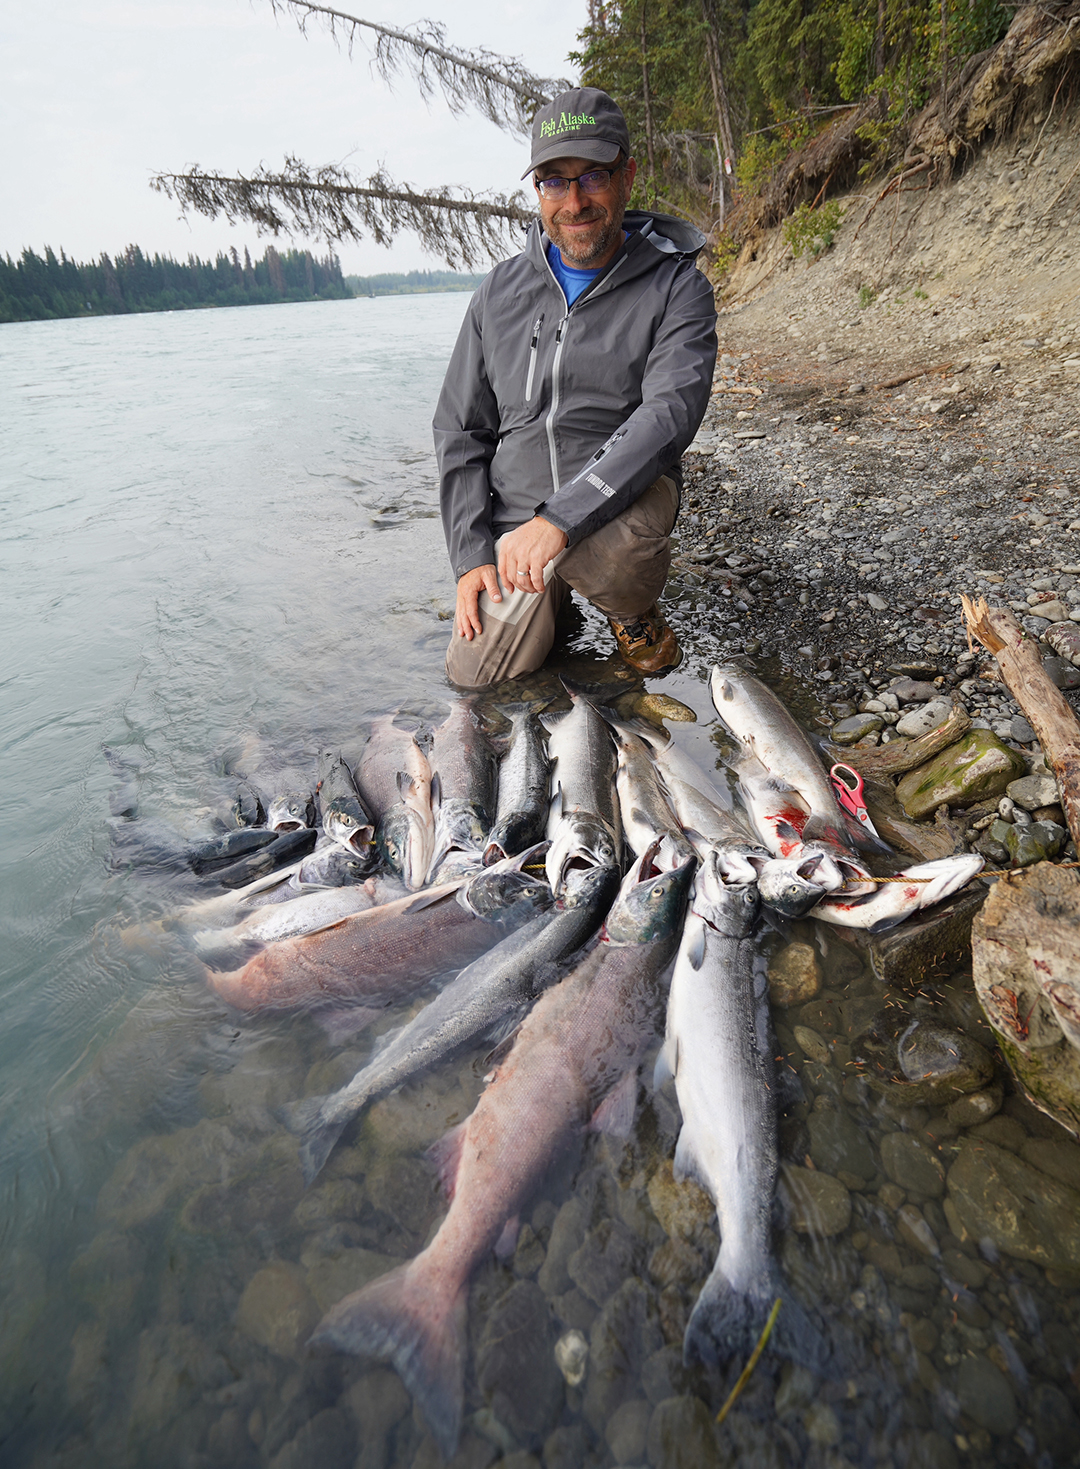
(913, 691)
(681, 1436)
(850, 731)
(813, 1045)
(627, 1430)
(572, 1357)
(915, 1230)
(974, 1108)
(838, 1144)
(1031, 791)
(1039, 842)
(277, 1310)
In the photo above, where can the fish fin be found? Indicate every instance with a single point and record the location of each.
(685, 1164)
(445, 1157)
(820, 829)
(229, 957)
(552, 718)
(555, 805)
(502, 1035)
(436, 791)
(400, 1319)
(317, 1135)
(426, 898)
(864, 840)
(726, 1323)
(405, 784)
(343, 1021)
(615, 1114)
(667, 1062)
(506, 1244)
(695, 948)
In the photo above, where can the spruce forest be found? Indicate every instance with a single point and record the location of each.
(36, 288)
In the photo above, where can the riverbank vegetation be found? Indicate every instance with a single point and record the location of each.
(411, 283)
(40, 288)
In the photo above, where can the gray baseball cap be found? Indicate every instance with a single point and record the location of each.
(583, 123)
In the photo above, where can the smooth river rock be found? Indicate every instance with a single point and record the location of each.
(976, 768)
(993, 1194)
(985, 1395)
(817, 1203)
(909, 1162)
(919, 1061)
(794, 976)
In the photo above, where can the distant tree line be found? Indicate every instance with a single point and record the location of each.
(39, 288)
(413, 282)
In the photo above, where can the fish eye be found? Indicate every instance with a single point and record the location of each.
(658, 892)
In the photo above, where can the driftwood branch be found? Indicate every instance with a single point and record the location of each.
(329, 203)
(918, 165)
(908, 377)
(499, 87)
(1044, 707)
(901, 755)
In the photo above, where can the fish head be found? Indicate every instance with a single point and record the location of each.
(592, 887)
(511, 887)
(650, 903)
(580, 840)
(405, 842)
(291, 811)
(728, 908)
(247, 809)
(346, 822)
(459, 826)
(728, 689)
(793, 885)
(739, 865)
(512, 834)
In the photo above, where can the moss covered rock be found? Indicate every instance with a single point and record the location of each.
(976, 768)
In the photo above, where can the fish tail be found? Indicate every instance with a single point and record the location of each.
(726, 1323)
(318, 1133)
(400, 1318)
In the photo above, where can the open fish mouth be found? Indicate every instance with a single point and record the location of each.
(348, 834)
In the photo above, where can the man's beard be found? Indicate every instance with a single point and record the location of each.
(584, 253)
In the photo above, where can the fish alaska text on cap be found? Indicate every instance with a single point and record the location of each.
(582, 123)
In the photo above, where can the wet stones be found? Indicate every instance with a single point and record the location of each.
(627, 1430)
(794, 976)
(984, 1394)
(625, 1333)
(1039, 842)
(976, 1107)
(1033, 791)
(817, 1203)
(335, 1275)
(910, 1164)
(995, 1195)
(977, 767)
(277, 1310)
(566, 1232)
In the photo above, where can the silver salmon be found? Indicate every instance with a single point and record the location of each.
(717, 1047)
(584, 825)
(463, 784)
(896, 900)
(582, 1039)
(487, 992)
(521, 810)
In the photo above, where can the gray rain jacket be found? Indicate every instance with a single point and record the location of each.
(572, 414)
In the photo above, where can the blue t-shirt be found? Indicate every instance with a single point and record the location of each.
(572, 280)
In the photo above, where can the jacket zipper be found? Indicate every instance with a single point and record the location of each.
(537, 324)
(559, 335)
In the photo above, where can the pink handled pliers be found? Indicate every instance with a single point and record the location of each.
(848, 785)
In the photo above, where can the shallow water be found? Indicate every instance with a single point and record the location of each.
(221, 551)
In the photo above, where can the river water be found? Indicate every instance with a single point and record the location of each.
(220, 552)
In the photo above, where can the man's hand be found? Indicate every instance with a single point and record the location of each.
(469, 587)
(525, 552)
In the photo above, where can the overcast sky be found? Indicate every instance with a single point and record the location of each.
(95, 98)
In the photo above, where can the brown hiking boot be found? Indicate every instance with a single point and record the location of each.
(646, 642)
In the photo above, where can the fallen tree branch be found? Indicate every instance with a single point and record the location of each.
(920, 165)
(1044, 707)
(900, 755)
(907, 377)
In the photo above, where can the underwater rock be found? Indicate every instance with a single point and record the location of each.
(684, 1209)
(1056, 1426)
(995, 1195)
(328, 1440)
(817, 1203)
(277, 1310)
(976, 1107)
(985, 1395)
(910, 1163)
(154, 1174)
(515, 1363)
(675, 1263)
(975, 768)
(794, 976)
(566, 1232)
(600, 1265)
(681, 1436)
(338, 1198)
(624, 1334)
(109, 1273)
(173, 1368)
(839, 1145)
(627, 1429)
(572, 1357)
(334, 1276)
(917, 1061)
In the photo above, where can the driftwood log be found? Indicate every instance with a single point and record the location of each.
(1045, 707)
(902, 755)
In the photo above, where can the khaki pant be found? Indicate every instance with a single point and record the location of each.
(621, 569)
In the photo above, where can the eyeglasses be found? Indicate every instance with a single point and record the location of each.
(593, 182)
